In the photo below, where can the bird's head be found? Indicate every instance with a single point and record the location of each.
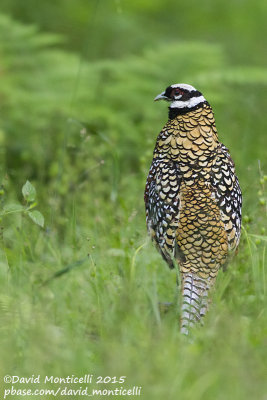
(182, 97)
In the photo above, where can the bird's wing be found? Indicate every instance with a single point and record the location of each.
(228, 195)
(162, 198)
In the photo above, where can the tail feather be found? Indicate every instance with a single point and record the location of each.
(195, 301)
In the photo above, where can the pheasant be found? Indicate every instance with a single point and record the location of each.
(193, 199)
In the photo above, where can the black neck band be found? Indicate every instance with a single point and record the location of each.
(173, 112)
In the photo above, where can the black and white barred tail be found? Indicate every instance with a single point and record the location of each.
(195, 301)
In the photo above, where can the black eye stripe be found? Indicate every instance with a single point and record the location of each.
(187, 93)
(168, 91)
(193, 93)
(196, 93)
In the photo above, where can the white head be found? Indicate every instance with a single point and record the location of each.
(182, 96)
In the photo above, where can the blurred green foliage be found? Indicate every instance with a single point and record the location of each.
(78, 120)
(120, 27)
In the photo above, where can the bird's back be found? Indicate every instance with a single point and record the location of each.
(193, 201)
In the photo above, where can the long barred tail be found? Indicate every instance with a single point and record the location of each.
(194, 299)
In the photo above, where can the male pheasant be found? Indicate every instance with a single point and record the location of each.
(193, 198)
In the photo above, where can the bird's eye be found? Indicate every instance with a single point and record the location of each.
(177, 92)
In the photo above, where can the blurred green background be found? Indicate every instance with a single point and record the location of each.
(77, 119)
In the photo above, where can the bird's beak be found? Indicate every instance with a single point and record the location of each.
(161, 96)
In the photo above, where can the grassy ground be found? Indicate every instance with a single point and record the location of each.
(80, 296)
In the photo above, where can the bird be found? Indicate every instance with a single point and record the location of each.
(192, 199)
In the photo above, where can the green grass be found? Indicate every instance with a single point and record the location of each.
(81, 295)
